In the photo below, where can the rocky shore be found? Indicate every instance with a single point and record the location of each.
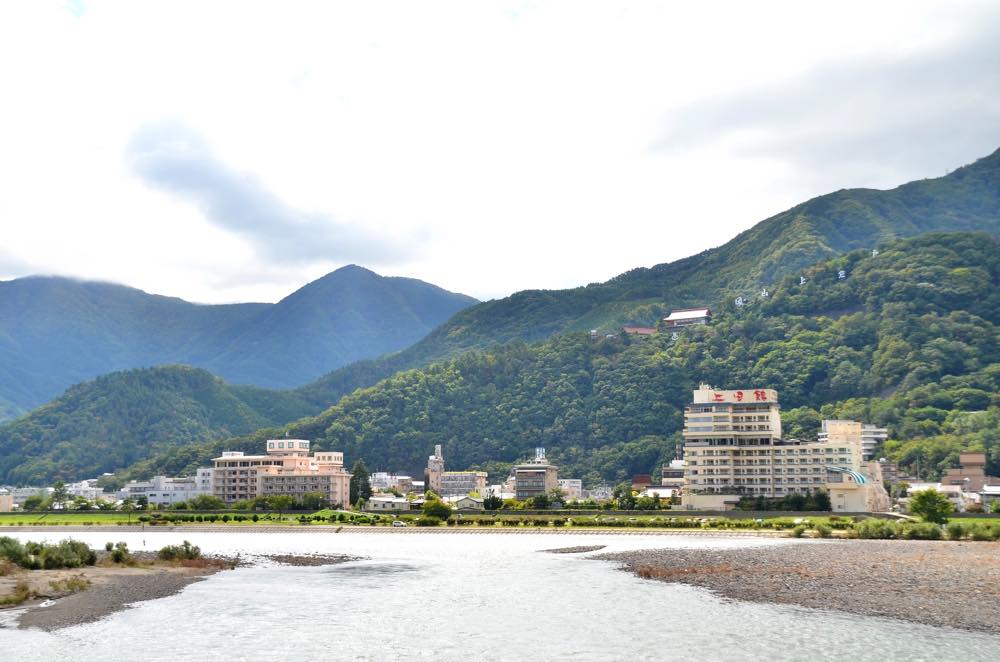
(951, 584)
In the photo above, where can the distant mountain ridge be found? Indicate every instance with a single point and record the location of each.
(967, 199)
(55, 332)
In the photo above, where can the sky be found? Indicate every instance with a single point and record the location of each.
(234, 151)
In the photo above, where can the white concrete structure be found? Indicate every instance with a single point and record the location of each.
(164, 490)
(381, 504)
(572, 488)
(687, 317)
(869, 435)
(87, 489)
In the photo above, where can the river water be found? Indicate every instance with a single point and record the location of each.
(466, 596)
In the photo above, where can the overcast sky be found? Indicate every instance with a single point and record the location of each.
(234, 151)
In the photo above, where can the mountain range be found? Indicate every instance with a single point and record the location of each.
(56, 332)
(546, 391)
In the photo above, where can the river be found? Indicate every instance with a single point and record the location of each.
(465, 596)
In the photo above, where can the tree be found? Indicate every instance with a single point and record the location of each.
(361, 486)
(539, 502)
(280, 502)
(60, 495)
(33, 502)
(314, 501)
(437, 508)
(623, 497)
(931, 506)
(493, 502)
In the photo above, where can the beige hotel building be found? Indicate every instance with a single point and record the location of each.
(733, 447)
(287, 468)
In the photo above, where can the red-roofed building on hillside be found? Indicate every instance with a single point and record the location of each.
(687, 317)
(639, 330)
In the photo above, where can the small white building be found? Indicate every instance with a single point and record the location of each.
(382, 504)
(87, 489)
(572, 488)
(466, 503)
(166, 491)
(687, 317)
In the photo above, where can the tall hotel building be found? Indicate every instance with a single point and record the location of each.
(287, 469)
(733, 447)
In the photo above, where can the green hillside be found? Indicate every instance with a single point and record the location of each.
(120, 418)
(967, 199)
(908, 339)
(56, 332)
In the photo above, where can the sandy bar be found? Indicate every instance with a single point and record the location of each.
(954, 584)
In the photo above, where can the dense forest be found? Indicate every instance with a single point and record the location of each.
(907, 338)
(120, 418)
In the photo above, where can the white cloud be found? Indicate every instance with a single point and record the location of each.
(485, 147)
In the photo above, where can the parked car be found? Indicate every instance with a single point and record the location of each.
(399, 523)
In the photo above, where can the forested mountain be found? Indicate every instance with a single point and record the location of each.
(967, 199)
(907, 339)
(55, 332)
(120, 418)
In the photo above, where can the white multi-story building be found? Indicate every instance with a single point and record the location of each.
(869, 435)
(166, 491)
(87, 489)
(733, 447)
(383, 481)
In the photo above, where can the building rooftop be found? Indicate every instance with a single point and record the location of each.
(687, 314)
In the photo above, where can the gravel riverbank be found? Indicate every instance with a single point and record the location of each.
(113, 588)
(936, 583)
(106, 596)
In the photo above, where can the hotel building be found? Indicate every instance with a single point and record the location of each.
(733, 447)
(286, 469)
(535, 477)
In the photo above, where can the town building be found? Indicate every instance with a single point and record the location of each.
(22, 494)
(435, 467)
(641, 482)
(989, 495)
(163, 490)
(461, 483)
(572, 488)
(970, 476)
(535, 477)
(672, 475)
(6, 501)
(286, 469)
(465, 503)
(383, 504)
(87, 489)
(868, 435)
(687, 317)
(599, 493)
(733, 447)
(383, 481)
